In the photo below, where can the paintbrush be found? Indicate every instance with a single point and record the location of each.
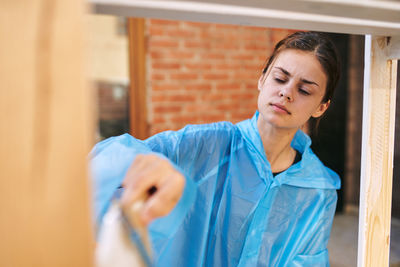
(123, 239)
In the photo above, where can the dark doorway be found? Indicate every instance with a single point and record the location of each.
(396, 161)
(330, 140)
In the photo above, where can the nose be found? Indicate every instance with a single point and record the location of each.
(287, 92)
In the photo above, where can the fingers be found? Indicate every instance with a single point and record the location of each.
(165, 199)
(142, 175)
(146, 172)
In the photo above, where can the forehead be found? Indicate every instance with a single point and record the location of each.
(300, 63)
(297, 59)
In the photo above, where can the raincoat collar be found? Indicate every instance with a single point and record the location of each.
(308, 173)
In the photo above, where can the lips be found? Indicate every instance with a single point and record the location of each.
(280, 108)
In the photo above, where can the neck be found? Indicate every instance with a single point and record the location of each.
(276, 142)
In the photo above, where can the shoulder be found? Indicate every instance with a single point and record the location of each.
(323, 176)
(208, 137)
(118, 145)
(198, 130)
(310, 172)
(223, 127)
(202, 133)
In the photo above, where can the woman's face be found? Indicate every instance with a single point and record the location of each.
(292, 89)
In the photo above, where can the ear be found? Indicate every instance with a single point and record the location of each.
(321, 109)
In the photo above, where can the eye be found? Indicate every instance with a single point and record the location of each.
(303, 92)
(279, 80)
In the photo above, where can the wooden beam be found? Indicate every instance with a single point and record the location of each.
(377, 153)
(356, 17)
(45, 135)
(137, 74)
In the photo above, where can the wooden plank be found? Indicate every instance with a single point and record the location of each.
(45, 135)
(377, 154)
(137, 74)
(356, 17)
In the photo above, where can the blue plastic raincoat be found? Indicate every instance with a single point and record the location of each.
(233, 212)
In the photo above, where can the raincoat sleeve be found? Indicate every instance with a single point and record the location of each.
(110, 160)
(315, 252)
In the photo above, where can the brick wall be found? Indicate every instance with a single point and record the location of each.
(201, 72)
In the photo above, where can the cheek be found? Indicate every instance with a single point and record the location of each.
(308, 107)
(262, 97)
(259, 100)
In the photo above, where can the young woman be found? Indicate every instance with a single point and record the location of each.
(246, 194)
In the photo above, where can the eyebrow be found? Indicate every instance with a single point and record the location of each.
(303, 80)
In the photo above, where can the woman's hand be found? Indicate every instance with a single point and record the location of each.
(152, 173)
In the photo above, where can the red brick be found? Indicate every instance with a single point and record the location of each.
(184, 119)
(158, 98)
(258, 46)
(197, 108)
(227, 46)
(244, 96)
(243, 56)
(197, 44)
(212, 55)
(181, 55)
(255, 67)
(237, 117)
(198, 87)
(228, 86)
(198, 66)
(163, 43)
(164, 87)
(212, 118)
(215, 76)
(165, 65)
(227, 27)
(181, 98)
(180, 33)
(227, 66)
(198, 24)
(252, 85)
(158, 76)
(184, 76)
(158, 120)
(164, 22)
(220, 36)
(156, 30)
(245, 75)
(264, 58)
(225, 107)
(279, 34)
(157, 54)
(258, 29)
(213, 97)
(167, 109)
(255, 37)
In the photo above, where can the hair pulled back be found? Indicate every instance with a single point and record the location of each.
(318, 44)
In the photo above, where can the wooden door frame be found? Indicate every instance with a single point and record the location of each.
(372, 18)
(137, 76)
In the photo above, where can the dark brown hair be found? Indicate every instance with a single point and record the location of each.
(321, 46)
(318, 44)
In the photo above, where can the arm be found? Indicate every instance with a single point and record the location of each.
(193, 151)
(111, 161)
